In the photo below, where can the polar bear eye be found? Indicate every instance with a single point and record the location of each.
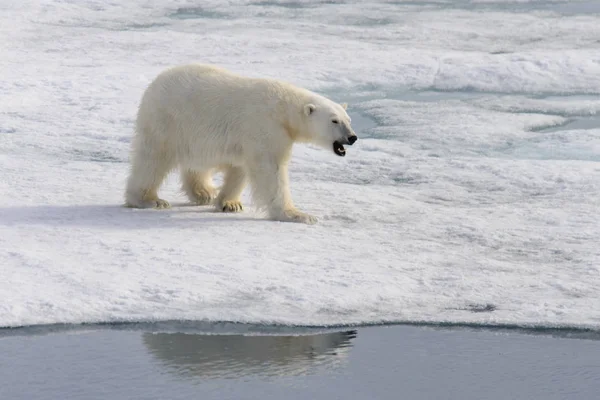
(335, 121)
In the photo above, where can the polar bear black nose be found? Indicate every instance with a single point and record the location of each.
(352, 139)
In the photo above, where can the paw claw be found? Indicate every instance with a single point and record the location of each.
(232, 206)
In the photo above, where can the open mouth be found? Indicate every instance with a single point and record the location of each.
(338, 149)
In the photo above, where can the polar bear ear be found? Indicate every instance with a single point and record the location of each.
(345, 106)
(309, 109)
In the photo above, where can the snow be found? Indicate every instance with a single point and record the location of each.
(475, 181)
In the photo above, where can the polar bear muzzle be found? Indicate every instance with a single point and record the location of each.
(338, 147)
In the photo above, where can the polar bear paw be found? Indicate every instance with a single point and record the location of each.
(160, 203)
(202, 197)
(297, 216)
(154, 203)
(231, 206)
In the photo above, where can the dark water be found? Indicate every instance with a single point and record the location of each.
(394, 362)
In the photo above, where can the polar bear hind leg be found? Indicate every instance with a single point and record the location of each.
(148, 170)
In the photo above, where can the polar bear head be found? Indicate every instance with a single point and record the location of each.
(328, 125)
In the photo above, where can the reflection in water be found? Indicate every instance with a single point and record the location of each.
(234, 356)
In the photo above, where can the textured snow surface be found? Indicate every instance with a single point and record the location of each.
(472, 196)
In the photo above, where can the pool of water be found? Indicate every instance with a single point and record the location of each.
(213, 361)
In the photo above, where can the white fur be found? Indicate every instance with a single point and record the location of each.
(201, 118)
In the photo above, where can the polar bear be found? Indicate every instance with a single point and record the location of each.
(202, 119)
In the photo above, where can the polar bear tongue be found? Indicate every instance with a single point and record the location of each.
(338, 149)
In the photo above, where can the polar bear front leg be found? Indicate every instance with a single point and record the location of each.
(228, 199)
(270, 187)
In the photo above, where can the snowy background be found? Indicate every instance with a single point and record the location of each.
(473, 194)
